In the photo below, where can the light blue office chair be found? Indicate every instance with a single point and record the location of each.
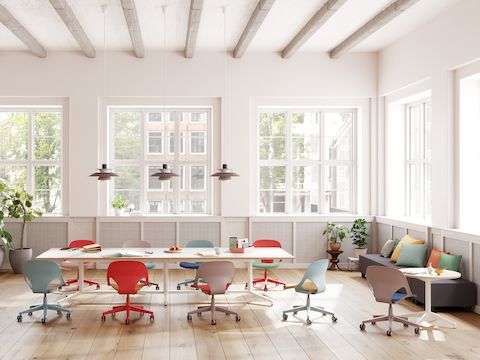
(43, 277)
(193, 265)
(149, 264)
(313, 282)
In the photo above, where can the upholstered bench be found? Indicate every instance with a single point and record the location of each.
(445, 293)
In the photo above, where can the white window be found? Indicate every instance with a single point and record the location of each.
(31, 153)
(418, 159)
(141, 140)
(306, 161)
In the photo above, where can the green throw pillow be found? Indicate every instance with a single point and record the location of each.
(412, 255)
(450, 262)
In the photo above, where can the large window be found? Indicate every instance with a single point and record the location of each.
(306, 161)
(31, 153)
(418, 159)
(141, 140)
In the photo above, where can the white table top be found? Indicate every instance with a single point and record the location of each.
(421, 273)
(159, 254)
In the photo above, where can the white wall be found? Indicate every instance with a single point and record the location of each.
(79, 79)
(433, 52)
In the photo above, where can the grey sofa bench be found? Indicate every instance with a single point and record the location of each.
(445, 293)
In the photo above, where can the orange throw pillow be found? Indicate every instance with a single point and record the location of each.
(434, 258)
(398, 248)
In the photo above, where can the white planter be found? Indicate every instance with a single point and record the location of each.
(2, 255)
(118, 212)
(357, 252)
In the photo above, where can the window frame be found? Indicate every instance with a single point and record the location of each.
(321, 163)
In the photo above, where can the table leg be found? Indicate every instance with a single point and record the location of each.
(165, 283)
(250, 288)
(250, 275)
(81, 276)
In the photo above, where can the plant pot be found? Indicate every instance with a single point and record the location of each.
(2, 255)
(18, 257)
(359, 251)
(335, 246)
(118, 212)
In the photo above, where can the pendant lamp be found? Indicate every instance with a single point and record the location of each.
(224, 173)
(104, 173)
(164, 173)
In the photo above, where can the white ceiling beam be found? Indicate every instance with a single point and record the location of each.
(311, 27)
(378, 21)
(196, 7)
(256, 20)
(130, 12)
(12, 24)
(68, 17)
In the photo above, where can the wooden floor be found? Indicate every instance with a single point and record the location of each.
(261, 334)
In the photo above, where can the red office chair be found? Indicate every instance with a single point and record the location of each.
(129, 277)
(266, 264)
(73, 265)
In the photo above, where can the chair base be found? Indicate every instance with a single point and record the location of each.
(45, 307)
(265, 280)
(308, 307)
(390, 318)
(128, 307)
(188, 282)
(75, 281)
(212, 308)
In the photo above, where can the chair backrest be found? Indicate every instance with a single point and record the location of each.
(39, 274)
(137, 244)
(385, 282)
(127, 274)
(199, 244)
(75, 244)
(217, 275)
(267, 243)
(316, 273)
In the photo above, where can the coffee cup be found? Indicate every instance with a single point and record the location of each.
(218, 250)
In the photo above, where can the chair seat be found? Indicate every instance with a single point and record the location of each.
(190, 265)
(261, 265)
(308, 287)
(73, 265)
(150, 265)
(206, 289)
(137, 287)
(397, 297)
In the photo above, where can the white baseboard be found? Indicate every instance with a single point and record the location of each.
(476, 309)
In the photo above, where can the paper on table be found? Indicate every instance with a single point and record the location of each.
(415, 271)
(126, 253)
(206, 253)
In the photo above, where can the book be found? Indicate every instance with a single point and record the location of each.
(92, 248)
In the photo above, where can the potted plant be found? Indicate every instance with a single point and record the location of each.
(119, 205)
(336, 233)
(18, 204)
(359, 235)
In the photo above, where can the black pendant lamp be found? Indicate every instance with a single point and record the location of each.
(164, 173)
(104, 173)
(224, 173)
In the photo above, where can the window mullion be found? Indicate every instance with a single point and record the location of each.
(288, 167)
(31, 145)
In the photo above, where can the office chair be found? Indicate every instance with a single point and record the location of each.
(149, 264)
(266, 264)
(193, 265)
(73, 265)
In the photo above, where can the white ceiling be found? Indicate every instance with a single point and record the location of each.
(285, 19)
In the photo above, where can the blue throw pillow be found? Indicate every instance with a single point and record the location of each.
(450, 262)
(412, 255)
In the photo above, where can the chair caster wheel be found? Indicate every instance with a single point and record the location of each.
(152, 317)
(246, 286)
(405, 325)
(69, 316)
(265, 289)
(98, 287)
(30, 314)
(362, 327)
(44, 320)
(389, 332)
(417, 330)
(59, 312)
(285, 316)
(189, 317)
(103, 318)
(113, 315)
(214, 322)
(334, 319)
(237, 318)
(373, 322)
(157, 287)
(127, 322)
(294, 313)
(178, 287)
(309, 322)
(19, 318)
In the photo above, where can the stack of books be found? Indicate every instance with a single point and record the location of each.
(92, 248)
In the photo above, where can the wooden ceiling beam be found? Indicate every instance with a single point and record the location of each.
(12, 24)
(378, 21)
(130, 12)
(311, 27)
(194, 17)
(73, 25)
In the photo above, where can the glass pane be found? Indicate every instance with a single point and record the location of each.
(153, 182)
(127, 135)
(415, 131)
(127, 184)
(13, 135)
(198, 117)
(47, 189)
(171, 146)
(155, 117)
(48, 135)
(155, 143)
(182, 142)
(182, 177)
(197, 142)
(338, 136)
(415, 190)
(305, 135)
(14, 175)
(272, 148)
(338, 189)
(198, 206)
(272, 189)
(197, 179)
(272, 135)
(305, 189)
(428, 191)
(428, 130)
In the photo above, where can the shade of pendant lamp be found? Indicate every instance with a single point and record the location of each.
(224, 173)
(164, 173)
(104, 173)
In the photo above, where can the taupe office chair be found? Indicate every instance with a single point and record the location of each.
(218, 276)
(143, 244)
(388, 286)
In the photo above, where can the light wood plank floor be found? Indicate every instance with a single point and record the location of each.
(261, 334)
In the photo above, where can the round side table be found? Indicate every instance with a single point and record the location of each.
(334, 259)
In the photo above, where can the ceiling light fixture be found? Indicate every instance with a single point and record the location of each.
(104, 173)
(164, 173)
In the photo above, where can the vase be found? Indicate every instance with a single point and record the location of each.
(359, 251)
(335, 246)
(18, 257)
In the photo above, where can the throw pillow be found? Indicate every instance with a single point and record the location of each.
(450, 262)
(387, 248)
(412, 255)
(434, 258)
(406, 239)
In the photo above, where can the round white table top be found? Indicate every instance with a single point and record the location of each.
(422, 274)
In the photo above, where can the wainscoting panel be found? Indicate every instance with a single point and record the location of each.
(459, 247)
(43, 236)
(417, 234)
(310, 244)
(199, 231)
(398, 232)
(476, 269)
(437, 242)
(159, 234)
(114, 234)
(384, 233)
(81, 229)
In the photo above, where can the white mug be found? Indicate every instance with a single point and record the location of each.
(218, 250)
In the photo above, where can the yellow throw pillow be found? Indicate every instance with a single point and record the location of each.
(406, 239)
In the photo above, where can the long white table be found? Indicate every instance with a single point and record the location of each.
(159, 255)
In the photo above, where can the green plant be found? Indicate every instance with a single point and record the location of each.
(119, 202)
(335, 232)
(4, 233)
(359, 233)
(18, 204)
